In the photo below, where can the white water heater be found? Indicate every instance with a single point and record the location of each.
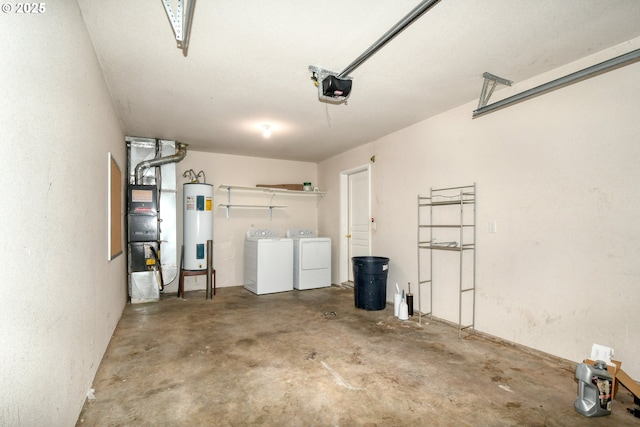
(198, 224)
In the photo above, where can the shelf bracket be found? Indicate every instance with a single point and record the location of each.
(489, 85)
(228, 201)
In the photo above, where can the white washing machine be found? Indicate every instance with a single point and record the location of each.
(268, 262)
(311, 259)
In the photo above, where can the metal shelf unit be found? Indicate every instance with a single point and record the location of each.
(462, 224)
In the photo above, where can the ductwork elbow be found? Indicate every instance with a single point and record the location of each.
(159, 161)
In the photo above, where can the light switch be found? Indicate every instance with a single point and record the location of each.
(493, 227)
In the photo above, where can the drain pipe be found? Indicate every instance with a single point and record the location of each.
(159, 161)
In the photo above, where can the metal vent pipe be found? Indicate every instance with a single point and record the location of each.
(140, 167)
(409, 19)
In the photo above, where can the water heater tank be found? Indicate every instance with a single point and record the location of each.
(198, 224)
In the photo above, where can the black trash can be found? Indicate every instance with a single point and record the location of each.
(370, 282)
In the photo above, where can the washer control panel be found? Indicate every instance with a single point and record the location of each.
(301, 233)
(262, 233)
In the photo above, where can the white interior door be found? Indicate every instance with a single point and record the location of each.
(358, 232)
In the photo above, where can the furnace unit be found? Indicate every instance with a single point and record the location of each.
(151, 215)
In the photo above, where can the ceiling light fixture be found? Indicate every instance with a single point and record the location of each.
(266, 131)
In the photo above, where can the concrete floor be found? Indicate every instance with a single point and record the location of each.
(310, 358)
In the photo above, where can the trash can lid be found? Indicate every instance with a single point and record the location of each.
(370, 259)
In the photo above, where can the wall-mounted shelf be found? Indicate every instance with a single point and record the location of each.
(262, 190)
(270, 207)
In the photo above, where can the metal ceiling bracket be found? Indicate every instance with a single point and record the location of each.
(180, 21)
(489, 85)
(586, 73)
(319, 74)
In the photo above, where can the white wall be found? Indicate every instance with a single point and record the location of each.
(559, 175)
(61, 298)
(228, 251)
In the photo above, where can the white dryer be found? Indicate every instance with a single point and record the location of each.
(311, 259)
(268, 262)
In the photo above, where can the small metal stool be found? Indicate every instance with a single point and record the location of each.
(209, 272)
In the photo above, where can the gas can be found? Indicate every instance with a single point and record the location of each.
(594, 389)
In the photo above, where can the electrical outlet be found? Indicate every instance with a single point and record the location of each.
(493, 227)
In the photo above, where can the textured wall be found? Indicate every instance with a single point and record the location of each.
(61, 297)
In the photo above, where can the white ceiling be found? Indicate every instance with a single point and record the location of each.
(247, 64)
